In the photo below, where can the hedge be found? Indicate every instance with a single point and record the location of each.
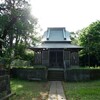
(29, 73)
(82, 74)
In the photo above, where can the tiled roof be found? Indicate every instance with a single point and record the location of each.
(56, 38)
(57, 45)
(56, 35)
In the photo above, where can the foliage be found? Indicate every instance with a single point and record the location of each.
(23, 53)
(26, 90)
(26, 64)
(17, 27)
(74, 37)
(82, 90)
(89, 38)
(18, 62)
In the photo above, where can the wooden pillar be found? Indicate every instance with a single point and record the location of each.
(48, 57)
(67, 57)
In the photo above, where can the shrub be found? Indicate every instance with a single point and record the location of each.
(19, 63)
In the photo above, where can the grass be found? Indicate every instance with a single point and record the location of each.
(26, 90)
(82, 90)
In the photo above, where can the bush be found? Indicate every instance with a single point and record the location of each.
(5, 62)
(19, 63)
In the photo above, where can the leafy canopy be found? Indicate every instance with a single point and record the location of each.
(90, 39)
(17, 27)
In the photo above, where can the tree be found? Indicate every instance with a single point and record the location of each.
(17, 26)
(90, 40)
(74, 37)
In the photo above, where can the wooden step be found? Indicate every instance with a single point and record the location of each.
(55, 75)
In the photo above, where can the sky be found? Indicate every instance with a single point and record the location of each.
(72, 14)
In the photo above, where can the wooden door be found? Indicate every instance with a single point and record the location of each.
(56, 58)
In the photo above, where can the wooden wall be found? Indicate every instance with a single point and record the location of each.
(45, 57)
(42, 57)
(38, 57)
(74, 59)
(70, 57)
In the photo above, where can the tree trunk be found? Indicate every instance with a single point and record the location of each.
(0, 48)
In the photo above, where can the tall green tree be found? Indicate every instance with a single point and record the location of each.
(17, 26)
(90, 40)
(74, 37)
(17, 23)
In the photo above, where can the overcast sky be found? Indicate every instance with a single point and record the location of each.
(72, 14)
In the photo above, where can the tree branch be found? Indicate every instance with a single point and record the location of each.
(9, 26)
(2, 8)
